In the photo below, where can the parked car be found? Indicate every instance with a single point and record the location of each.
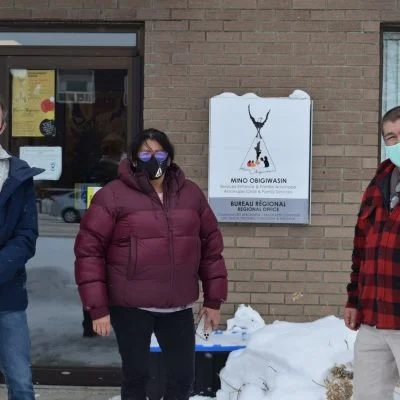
(68, 206)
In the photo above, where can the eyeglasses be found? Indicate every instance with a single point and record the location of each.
(146, 155)
(395, 198)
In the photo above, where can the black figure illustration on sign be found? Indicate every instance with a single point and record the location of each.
(265, 161)
(258, 158)
(258, 150)
(258, 124)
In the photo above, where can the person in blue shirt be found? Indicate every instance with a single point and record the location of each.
(18, 234)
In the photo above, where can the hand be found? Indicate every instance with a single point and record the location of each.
(102, 326)
(212, 317)
(350, 317)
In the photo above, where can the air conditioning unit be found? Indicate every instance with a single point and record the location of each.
(76, 86)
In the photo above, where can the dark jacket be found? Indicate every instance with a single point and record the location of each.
(18, 233)
(134, 251)
(375, 280)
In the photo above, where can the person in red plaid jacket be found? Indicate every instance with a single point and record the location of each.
(373, 305)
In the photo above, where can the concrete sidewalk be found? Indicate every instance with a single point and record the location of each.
(69, 393)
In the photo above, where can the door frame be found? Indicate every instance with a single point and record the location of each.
(64, 57)
(109, 56)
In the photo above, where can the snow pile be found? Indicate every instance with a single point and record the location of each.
(285, 358)
(192, 398)
(246, 320)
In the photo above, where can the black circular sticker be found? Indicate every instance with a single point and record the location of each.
(48, 128)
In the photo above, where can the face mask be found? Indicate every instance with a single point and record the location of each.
(393, 152)
(154, 168)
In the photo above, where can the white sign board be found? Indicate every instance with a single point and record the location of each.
(260, 159)
(46, 157)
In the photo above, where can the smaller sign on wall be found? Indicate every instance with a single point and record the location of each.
(260, 158)
(45, 157)
(33, 103)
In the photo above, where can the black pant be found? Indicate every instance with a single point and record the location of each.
(176, 336)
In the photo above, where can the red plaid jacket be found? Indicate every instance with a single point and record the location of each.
(375, 279)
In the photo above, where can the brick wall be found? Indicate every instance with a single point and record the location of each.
(196, 49)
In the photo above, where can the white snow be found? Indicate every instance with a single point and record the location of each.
(285, 357)
(246, 319)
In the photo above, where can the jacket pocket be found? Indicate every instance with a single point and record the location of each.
(131, 268)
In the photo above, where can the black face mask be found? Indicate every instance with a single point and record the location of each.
(155, 169)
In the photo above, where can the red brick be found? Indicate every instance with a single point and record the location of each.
(225, 15)
(293, 37)
(101, 3)
(257, 15)
(206, 48)
(275, 26)
(344, 4)
(381, 5)
(323, 243)
(327, 37)
(305, 276)
(362, 15)
(118, 15)
(329, 59)
(239, 4)
(171, 26)
(191, 36)
(188, 14)
(191, 59)
(170, 4)
(67, 3)
(150, 14)
(309, 26)
(260, 37)
(204, 3)
(292, 15)
(327, 15)
(133, 4)
(223, 82)
(259, 59)
(287, 243)
(276, 48)
(293, 60)
(275, 4)
(344, 26)
(206, 25)
(53, 13)
(84, 14)
(234, 26)
(31, 3)
(241, 48)
(309, 4)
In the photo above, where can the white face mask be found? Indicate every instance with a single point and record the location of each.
(393, 152)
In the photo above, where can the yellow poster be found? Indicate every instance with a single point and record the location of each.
(33, 103)
(91, 191)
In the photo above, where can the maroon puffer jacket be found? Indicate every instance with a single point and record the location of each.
(134, 251)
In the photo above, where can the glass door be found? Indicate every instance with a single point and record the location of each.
(73, 117)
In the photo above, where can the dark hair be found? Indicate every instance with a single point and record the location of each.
(391, 116)
(4, 109)
(152, 134)
(112, 145)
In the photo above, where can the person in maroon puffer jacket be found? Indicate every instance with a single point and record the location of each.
(146, 240)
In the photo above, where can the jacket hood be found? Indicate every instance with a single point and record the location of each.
(21, 171)
(174, 178)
